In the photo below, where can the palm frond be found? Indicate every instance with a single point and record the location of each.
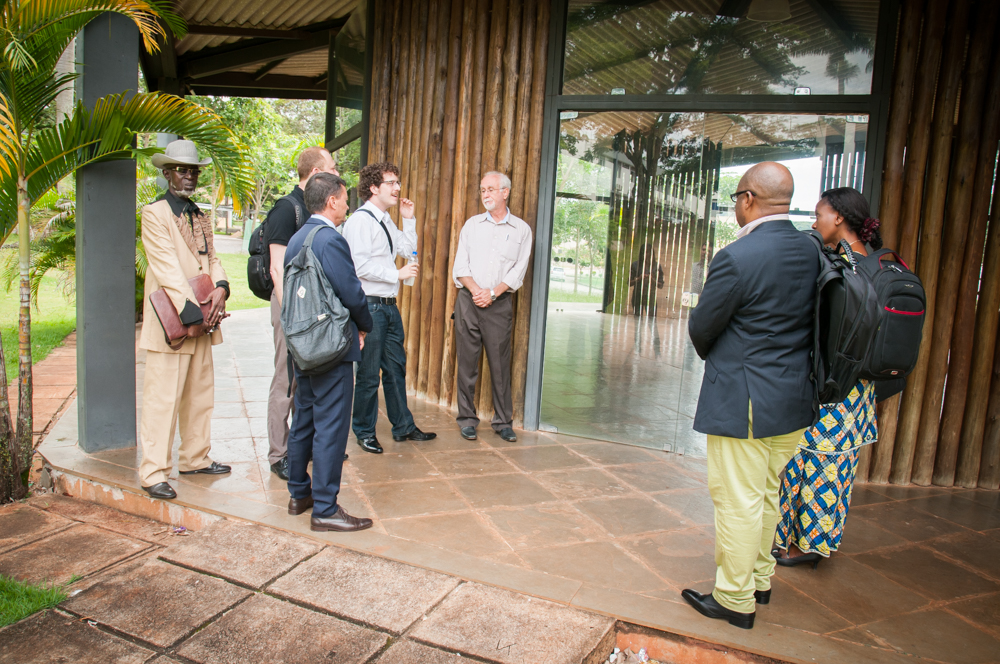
(30, 19)
(107, 133)
(9, 145)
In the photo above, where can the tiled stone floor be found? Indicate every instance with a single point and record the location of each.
(611, 528)
(239, 593)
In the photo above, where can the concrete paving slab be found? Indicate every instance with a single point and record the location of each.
(20, 524)
(155, 602)
(265, 629)
(411, 652)
(45, 560)
(375, 591)
(242, 552)
(501, 626)
(107, 518)
(49, 637)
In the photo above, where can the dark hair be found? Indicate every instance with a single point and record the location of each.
(371, 176)
(320, 188)
(310, 158)
(852, 206)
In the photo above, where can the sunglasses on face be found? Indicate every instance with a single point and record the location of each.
(185, 171)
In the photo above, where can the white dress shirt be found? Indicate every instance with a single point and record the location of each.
(746, 230)
(492, 252)
(374, 262)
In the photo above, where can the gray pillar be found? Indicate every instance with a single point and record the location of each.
(105, 253)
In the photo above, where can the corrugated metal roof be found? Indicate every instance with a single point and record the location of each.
(259, 14)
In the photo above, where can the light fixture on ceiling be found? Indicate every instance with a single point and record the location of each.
(769, 11)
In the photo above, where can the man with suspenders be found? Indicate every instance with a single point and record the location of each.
(375, 242)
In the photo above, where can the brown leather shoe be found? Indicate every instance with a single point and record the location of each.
(297, 507)
(341, 522)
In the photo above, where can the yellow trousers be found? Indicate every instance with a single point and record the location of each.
(744, 479)
(176, 386)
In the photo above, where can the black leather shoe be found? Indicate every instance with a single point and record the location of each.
(507, 434)
(762, 596)
(340, 522)
(161, 490)
(805, 558)
(708, 607)
(213, 469)
(417, 435)
(469, 433)
(346, 456)
(297, 507)
(280, 468)
(370, 445)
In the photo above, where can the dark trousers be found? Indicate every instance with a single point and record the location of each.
(383, 353)
(476, 329)
(320, 424)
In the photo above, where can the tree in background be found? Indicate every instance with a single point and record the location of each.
(33, 158)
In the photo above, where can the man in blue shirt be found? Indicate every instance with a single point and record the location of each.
(322, 417)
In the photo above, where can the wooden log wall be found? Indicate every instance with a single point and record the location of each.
(457, 90)
(937, 185)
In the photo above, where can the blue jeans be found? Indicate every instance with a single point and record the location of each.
(383, 352)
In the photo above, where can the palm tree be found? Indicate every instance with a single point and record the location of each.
(33, 35)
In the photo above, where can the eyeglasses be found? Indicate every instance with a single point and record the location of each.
(490, 190)
(185, 171)
(734, 197)
(391, 183)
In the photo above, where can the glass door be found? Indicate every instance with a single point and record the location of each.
(642, 206)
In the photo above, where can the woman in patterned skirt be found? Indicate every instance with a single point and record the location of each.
(816, 490)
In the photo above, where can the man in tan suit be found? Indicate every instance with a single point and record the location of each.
(179, 384)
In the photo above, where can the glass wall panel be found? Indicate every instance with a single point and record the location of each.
(711, 47)
(642, 205)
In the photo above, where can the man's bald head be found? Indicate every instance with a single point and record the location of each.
(770, 186)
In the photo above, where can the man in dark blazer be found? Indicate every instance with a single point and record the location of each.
(322, 417)
(753, 327)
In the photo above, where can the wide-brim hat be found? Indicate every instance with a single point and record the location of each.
(179, 153)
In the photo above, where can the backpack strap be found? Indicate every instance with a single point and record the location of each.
(392, 252)
(309, 238)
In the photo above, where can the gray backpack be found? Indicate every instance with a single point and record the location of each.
(315, 322)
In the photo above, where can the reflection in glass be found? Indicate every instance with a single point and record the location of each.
(642, 205)
(710, 47)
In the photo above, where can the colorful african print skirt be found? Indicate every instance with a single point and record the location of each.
(816, 488)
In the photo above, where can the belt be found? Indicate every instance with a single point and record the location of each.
(381, 300)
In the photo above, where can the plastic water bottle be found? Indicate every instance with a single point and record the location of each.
(409, 261)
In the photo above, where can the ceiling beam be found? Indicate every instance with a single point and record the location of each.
(260, 73)
(260, 33)
(734, 8)
(270, 93)
(237, 79)
(207, 65)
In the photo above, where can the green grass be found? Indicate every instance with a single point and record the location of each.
(19, 600)
(556, 295)
(50, 323)
(240, 296)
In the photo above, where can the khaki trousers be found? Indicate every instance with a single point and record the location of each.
(744, 479)
(279, 403)
(176, 386)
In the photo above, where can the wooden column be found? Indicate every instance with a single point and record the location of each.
(955, 228)
(983, 349)
(932, 216)
(961, 354)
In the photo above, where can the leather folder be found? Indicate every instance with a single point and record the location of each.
(174, 331)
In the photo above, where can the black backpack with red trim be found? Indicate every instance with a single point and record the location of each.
(902, 305)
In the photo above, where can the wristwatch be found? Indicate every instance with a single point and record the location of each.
(493, 296)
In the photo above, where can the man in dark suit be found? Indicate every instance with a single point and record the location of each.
(753, 327)
(322, 417)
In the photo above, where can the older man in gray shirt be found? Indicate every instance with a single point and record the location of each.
(492, 257)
